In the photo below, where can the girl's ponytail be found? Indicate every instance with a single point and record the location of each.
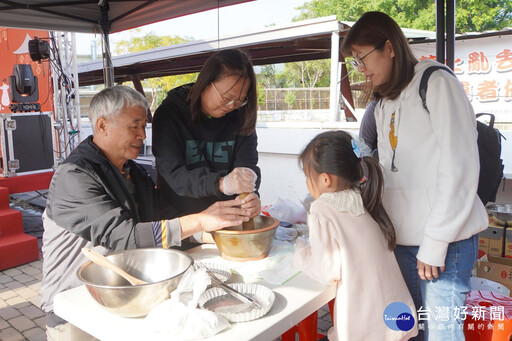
(371, 191)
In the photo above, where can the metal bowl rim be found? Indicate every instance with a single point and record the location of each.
(83, 266)
(496, 208)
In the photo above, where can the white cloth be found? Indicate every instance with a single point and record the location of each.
(432, 198)
(178, 315)
(348, 248)
(276, 268)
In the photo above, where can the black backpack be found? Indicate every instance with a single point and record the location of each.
(489, 146)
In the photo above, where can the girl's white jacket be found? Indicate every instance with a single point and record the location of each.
(432, 198)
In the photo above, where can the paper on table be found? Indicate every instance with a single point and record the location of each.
(276, 268)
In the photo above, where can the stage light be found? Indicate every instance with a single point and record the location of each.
(38, 49)
(23, 89)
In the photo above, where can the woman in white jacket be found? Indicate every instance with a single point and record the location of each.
(431, 169)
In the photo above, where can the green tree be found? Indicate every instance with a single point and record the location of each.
(290, 98)
(305, 74)
(471, 15)
(161, 85)
(260, 91)
(267, 76)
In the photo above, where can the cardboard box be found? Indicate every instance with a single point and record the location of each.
(496, 240)
(497, 269)
(508, 243)
(483, 243)
(491, 241)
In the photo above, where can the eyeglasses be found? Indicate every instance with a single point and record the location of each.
(226, 102)
(358, 63)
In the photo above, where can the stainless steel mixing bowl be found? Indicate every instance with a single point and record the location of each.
(237, 244)
(162, 268)
(500, 214)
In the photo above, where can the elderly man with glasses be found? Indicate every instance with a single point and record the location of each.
(204, 138)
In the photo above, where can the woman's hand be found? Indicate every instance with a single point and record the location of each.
(240, 180)
(252, 203)
(428, 272)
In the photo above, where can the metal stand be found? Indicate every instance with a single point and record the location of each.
(65, 93)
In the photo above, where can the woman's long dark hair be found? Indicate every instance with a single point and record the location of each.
(221, 64)
(332, 153)
(374, 29)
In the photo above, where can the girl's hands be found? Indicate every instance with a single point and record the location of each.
(252, 203)
(428, 272)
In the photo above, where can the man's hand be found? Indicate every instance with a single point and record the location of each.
(428, 272)
(223, 214)
(253, 203)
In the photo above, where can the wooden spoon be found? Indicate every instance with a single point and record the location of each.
(247, 225)
(103, 261)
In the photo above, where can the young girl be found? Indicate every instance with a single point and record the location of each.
(351, 241)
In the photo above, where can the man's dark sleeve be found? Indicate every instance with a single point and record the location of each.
(80, 202)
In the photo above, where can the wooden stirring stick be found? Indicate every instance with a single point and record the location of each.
(247, 225)
(103, 261)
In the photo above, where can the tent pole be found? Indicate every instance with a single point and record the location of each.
(440, 52)
(450, 33)
(108, 68)
(334, 107)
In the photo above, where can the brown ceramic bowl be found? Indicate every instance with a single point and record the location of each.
(237, 244)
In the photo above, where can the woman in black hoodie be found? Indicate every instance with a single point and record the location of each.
(204, 138)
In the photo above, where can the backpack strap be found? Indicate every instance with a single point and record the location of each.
(424, 82)
(491, 116)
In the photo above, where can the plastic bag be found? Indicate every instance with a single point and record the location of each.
(178, 315)
(287, 210)
(307, 201)
(286, 233)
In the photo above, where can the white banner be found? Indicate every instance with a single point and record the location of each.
(484, 66)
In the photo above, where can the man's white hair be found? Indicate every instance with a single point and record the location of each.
(110, 103)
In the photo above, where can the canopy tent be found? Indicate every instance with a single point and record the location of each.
(88, 16)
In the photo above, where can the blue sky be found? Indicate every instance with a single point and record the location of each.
(232, 19)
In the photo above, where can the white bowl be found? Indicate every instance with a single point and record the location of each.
(231, 308)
